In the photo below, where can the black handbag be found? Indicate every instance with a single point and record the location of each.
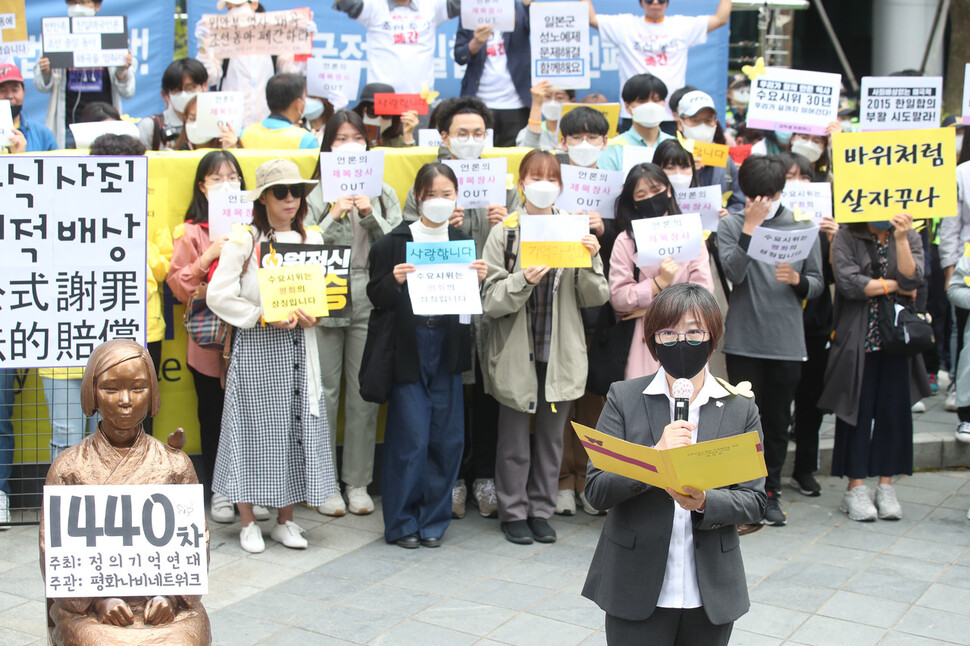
(377, 363)
(905, 332)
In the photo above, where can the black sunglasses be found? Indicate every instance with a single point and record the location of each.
(296, 190)
(654, 1)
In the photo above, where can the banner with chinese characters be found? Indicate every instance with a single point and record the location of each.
(272, 33)
(336, 266)
(481, 182)
(125, 540)
(590, 190)
(774, 246)
(72, 257)
(444, 281)
(351, 174)
(877, 175)
(900, 102)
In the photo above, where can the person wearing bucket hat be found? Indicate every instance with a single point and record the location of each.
(274, 449)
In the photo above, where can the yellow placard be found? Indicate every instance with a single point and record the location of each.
(704, 153)
(284, 289)
(609, 110)
(554, 254)
(878, 175)
(703, 466)
(18, 33)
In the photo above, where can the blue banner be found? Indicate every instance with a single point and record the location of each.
(151, 37)
(341, 37)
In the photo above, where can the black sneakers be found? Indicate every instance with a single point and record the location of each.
(773, 513)
(517, 531)
(541, 530)
(805, 484)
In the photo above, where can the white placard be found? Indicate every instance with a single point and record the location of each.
(966, 94)
(86, 133)
(215, 108)
(558, 227)
(809, 200)
(334, 79)
(633, 155)
(431, 138)
(498, 14)
(227, 207)
(351, 174)
(559, 35)
(124, 540)
(481, 183)
(590, 189)
(437, 290)
(678, 237)
(705, 200)
(8, 21)
(72, 257)
(900, 102)
(795, 100)
(6, 122)
(774, 246)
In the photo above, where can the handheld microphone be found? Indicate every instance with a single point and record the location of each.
(682, 391)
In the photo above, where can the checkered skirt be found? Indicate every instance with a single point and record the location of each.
(272, 451)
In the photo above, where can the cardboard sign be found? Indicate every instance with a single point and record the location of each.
(125, 540)
(775, 247)
(678, 237)
(86, 133)
(335, 260)
(6, 122)
(13, 29)
(272, 33)
(705, 200)
(431, 138)
(481, 183)
(497, 14)
(554, 240)
(351, 174)
(73, 257)
(795, 100)
(590, 190)
(89, 41)
(559, 35)
(284, 289)
(388, 104)
(334, 79)
(226, 208)
(215, 109)
(877, 176)
(609, 110)
(808, 200)
(444, 282)
(900, 102)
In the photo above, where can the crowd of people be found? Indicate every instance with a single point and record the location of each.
(480, 408)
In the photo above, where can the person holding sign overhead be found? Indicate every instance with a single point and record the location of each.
(535, 314)
(647, 193)
(275, 445)
(765, 340)
(643, 97)
(357, 221)
(72, 89)
(423, 438)
(544, 115)
(667, 569)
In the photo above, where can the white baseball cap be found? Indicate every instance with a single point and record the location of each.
(693, 102)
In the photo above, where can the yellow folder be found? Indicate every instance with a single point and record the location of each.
(706, 465)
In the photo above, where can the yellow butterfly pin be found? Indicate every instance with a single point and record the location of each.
(966, 249)
(512, 221)
(743, 389)
(725, 197)
(428, 94)
(799, 216)
(753, 72)
(966, 279)
(125, 117)
(688, 144)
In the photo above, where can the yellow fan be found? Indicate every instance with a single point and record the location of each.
(753, 72)
(428, 94)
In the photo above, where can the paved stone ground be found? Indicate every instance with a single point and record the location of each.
(822, 580)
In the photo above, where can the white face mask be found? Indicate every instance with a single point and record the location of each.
(649, 114)
(243, 8)
(584, 154)
(680, 182)
(551, 110)
(703, 133)
(225, 187)
(438, 209)
(350, 147)
(773, 210)
(181, 99)
(469, 149)
(541, 194)
(192, 133)
(80, 11)
(807, 149)
(846, 125)
(313, 109)
(741, 96)
(383, 122)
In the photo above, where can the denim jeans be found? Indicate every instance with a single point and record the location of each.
(69, 424)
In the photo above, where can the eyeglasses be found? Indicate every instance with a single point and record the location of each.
(213, 180)
(671, 337)
(654, 1)
(296, 190)
(575, 140)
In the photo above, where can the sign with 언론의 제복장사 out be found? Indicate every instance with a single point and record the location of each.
(351, 174)
(481, 182)
(590, 190)
(678, 237)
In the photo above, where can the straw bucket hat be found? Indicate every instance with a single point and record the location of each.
(277, 172)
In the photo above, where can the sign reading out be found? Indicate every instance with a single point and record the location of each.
(333, 79)
(88, 41)
(351, 174)
(13, 29)
(590, 190)
(335, 260)
(497, 14)
(481, 183)
(678, 237)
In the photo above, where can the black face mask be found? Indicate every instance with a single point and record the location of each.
(653, 207)
(15, 110)
(683, 360)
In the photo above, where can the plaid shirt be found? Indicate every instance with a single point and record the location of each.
(541, 302)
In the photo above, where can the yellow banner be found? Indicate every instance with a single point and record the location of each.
(554, 254)
(609, 110)
(703, 466)
(18, 33)
(877, 175)
(284, 289)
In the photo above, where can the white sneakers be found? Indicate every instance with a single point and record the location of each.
(359, 501)
(221, 510)
(963, 432)
(260, 512)
(887, 504)
(289, 534)
(483, 490)
(588, 508)
(566, 502)
(4, 511)
(333, 506)
(251, 538)
(857, 503)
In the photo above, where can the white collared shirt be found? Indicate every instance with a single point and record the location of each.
(679, 588)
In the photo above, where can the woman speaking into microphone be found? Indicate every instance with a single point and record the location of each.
(667, 569)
